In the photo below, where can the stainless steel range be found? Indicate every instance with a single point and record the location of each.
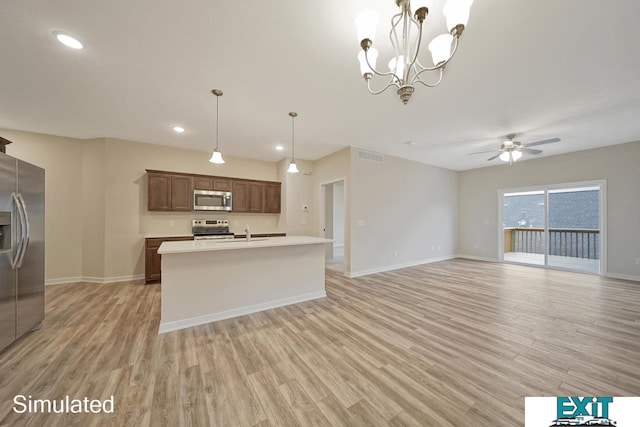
(211, 229)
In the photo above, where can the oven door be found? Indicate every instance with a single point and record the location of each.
(204, 200)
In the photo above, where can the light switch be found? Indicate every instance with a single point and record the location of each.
(361, 223)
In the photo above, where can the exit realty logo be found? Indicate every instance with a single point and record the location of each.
(582, 411)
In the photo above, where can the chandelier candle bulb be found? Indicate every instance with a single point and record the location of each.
(440, 48)
(372, 56)
(457, 13)
(366, 23)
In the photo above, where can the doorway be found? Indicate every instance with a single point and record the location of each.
(560, 227)
(332, 222)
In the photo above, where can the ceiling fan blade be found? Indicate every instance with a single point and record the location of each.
(484, 152)
(494, 157)
(530, 151)
(546, 141)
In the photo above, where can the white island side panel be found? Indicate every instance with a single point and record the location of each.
(205, 286)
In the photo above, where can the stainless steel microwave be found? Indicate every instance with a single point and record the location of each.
(205, 200)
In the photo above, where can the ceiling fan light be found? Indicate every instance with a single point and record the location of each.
(504, 156)
(216, 157)
(517, 154)
(440, 48)
(373, 58)
(457, 12)
(366, 23)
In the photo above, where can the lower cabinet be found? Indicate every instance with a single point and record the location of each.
(153, 260)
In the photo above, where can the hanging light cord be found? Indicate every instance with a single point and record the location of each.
(217, 119)
(293, 133)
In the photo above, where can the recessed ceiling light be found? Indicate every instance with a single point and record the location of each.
(67, 40)
(279, 147)
(178, 129)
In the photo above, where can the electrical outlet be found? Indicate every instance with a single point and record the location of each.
(637, 261)
(172, 222)
(395, 252)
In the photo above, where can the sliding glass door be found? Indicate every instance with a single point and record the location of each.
(555, 226)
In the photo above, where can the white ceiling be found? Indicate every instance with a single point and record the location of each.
(543, 69)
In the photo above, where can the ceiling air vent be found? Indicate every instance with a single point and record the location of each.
(371, 156)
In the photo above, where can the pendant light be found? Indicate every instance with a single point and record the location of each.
(216, 157)
(292, 166)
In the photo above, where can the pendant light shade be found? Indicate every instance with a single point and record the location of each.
(293, 168)
(216, 157)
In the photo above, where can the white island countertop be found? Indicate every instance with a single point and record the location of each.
(205, 281)
(231, 244)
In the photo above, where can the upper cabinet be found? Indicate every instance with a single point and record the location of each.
(211, 183)
(171, 191)
(248, 196)
(272, 197)
(181, 193)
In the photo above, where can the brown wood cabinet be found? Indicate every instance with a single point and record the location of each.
(173, 191)
(248, 196)
(153, 260)
(272, 197)
(211, 183)
(159, 192)
(181, 193)
(203, 182)
(221, 184)
(241, 196)
(169, 192)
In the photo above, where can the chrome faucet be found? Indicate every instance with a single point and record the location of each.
(247, 232)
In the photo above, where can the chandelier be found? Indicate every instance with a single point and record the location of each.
(405, 69)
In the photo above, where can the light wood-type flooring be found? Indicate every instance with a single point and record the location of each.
(454, 343)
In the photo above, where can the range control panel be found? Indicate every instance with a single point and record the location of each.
(210, 222)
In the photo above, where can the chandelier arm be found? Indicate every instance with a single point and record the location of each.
(393, 35)
(415, 56)
(392, 83)
(416, 79)
(390, 73)
(437, 67)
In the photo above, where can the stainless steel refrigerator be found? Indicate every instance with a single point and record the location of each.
(21, 248)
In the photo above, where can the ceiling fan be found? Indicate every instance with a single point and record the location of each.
(511, 151)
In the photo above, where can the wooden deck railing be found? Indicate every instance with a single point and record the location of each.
(569, 242)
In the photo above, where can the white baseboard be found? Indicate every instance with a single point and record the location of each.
(476, 258)
(228, 314)
(89, 279)
(360, 273)
(622, 276)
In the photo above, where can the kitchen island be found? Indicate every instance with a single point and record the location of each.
(205, 281)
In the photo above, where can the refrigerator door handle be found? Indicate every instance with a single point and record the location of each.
(26, 232)
(14, 260)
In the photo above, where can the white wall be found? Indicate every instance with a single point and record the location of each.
(619, 165)
(299, 193)
(332, 168)
(62, 160)
(402, 213)
(338, 214)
